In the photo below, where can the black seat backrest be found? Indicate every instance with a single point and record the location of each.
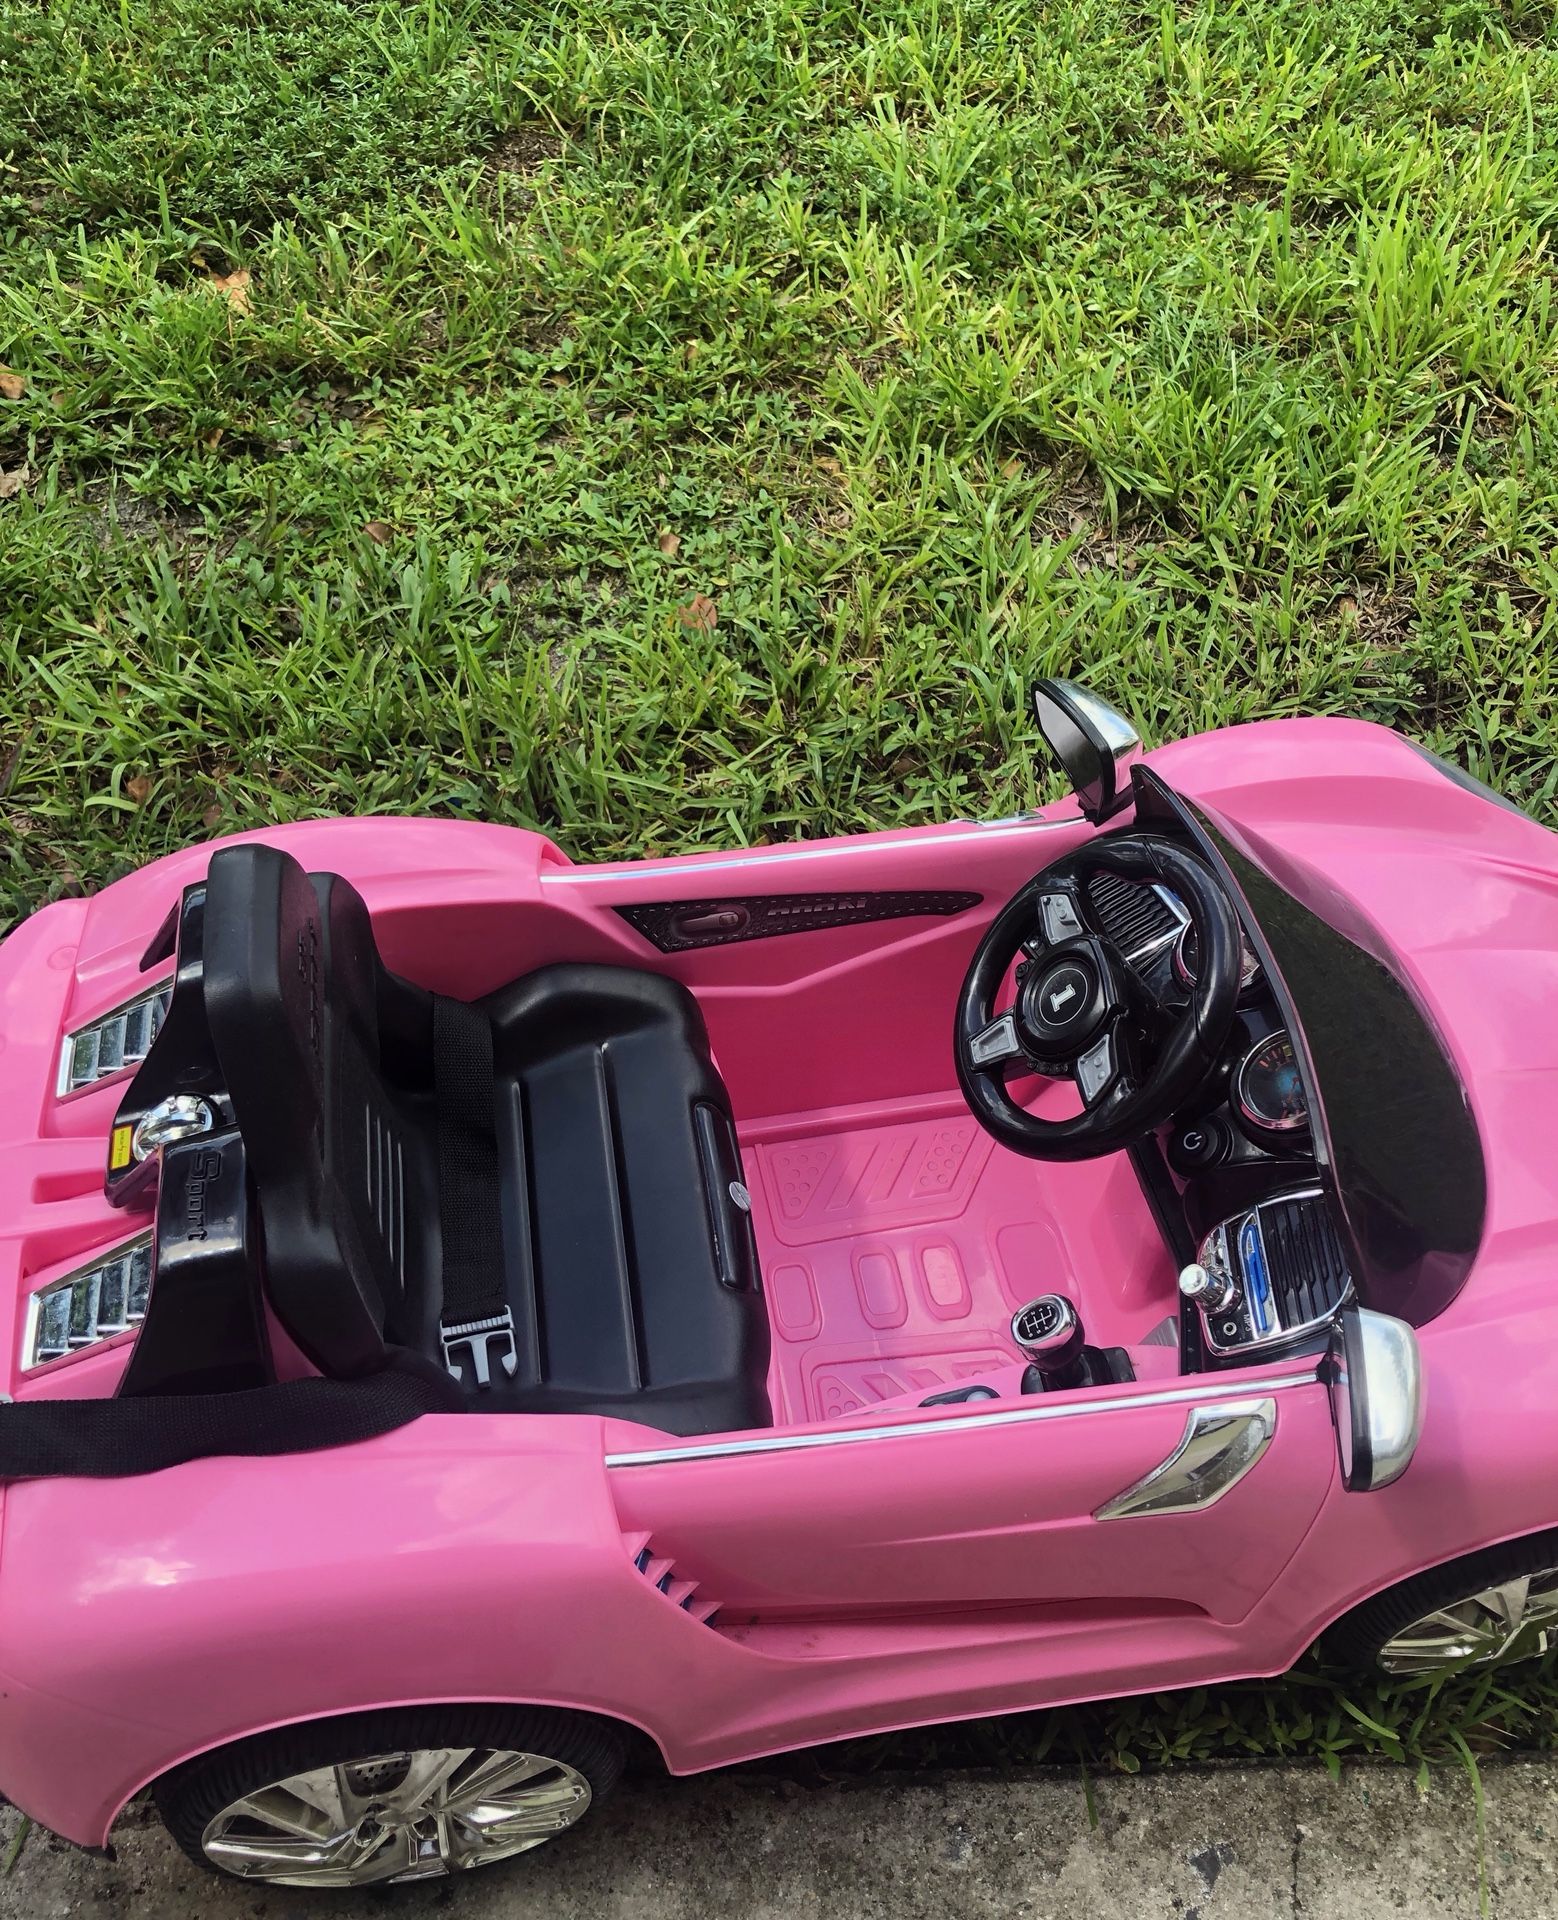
(307, 1025)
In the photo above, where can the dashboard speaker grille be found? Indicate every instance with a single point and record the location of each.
(1138, 919)
(1305, 1260)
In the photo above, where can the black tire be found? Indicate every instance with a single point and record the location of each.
(191, 1796)
(1356, 1640)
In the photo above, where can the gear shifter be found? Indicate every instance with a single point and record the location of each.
(1050, 1334)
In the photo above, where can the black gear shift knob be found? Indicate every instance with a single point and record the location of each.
(1049, 1332)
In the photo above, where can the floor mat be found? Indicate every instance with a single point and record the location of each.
(895, 1251)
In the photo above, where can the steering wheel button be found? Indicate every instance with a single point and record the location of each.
(996, 1042)
(1058, 917)
(1095, 1069)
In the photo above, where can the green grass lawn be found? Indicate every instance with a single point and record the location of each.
(670, 422)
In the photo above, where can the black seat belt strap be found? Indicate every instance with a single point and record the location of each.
(476, 1323)
(110, 1439)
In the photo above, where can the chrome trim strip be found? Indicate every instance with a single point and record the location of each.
(759, 859)
(1219, 1446)
(957, 1423)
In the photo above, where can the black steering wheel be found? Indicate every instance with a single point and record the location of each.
(1081, 1010)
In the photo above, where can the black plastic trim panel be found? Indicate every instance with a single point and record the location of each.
(675, 926)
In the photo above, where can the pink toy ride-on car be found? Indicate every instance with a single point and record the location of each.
(462, 1312)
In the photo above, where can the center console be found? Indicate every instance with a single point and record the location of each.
(1268, 1276)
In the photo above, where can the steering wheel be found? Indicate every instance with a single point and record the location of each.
(1082, 1012)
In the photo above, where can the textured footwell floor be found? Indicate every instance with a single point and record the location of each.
(895, 1251)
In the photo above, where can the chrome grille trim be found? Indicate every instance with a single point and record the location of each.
(113, 1043)
(82, 1309)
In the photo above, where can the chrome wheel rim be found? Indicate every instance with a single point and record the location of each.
(1512, 1621)
(396, 1816)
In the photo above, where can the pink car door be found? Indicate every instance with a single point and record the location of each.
(1179, 1500)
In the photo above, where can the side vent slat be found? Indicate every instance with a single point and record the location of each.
(91, 1304)
(661, 1574)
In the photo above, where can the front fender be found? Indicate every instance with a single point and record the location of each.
(465, 1557)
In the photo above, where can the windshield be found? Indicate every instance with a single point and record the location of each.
(1393, 1133)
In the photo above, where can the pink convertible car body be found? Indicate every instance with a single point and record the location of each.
(800, 1344)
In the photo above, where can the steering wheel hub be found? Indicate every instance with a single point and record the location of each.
(1062, 1005)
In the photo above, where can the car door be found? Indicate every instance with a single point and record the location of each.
(1182, 1500)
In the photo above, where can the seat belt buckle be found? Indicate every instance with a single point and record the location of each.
(479, 1339)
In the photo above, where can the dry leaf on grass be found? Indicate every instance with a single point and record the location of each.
(670, 543)
(701, 613)
(138, 787)
(12, 385)
(234, 288)
(12, 483)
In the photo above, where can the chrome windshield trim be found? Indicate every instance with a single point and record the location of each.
(758, 859)
(954, 1423)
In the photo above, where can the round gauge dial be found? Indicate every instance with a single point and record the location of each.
(1187, 952)
(1268, 1089)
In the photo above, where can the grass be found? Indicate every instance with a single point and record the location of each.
(1311, 1714)
(668, 424)
(1204, 353)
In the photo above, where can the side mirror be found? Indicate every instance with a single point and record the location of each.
(1091, 741)
(1376, 1382)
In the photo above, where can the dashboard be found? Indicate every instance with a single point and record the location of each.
(1234, 1176)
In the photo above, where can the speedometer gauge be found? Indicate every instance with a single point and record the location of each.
(1268, 1091)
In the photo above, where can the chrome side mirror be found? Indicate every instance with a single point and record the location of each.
(1376, 1383)
(1091, 741)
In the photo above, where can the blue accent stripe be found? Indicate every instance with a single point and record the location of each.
(1257, 1282)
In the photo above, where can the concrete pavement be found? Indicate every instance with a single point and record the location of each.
(1219, 1844)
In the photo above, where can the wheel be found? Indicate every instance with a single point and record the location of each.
(1492, 1608)
(407, 1794)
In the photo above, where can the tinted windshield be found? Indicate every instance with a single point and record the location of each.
(1392, 1129)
